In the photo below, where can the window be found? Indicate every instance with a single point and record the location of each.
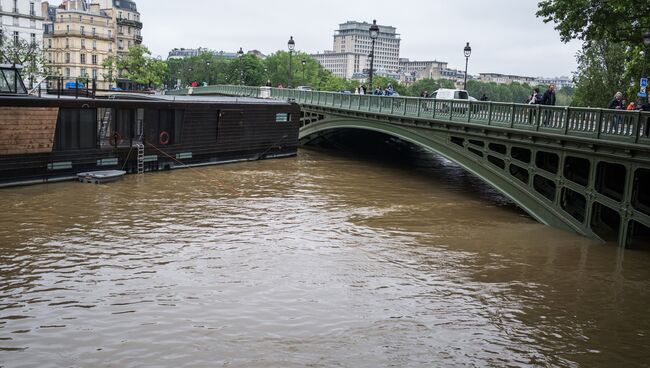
(94, 73)
(16, 22)
(94, 44)
(16, 37)
(119, 15)
(84, 72)
(94, 59)
(67, 70)
(32, 11)
(94, 31)
(82, 58)
(83, 43)
(33, 38)
(67, 58)
(67, 29)
(82, 30)
(67, 43)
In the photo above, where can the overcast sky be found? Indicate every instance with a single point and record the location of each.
(505, 35)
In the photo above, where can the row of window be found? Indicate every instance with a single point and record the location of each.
(16, 37)
(68, 44)
(15, 9)
(16, 22)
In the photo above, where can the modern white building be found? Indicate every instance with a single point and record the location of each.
(417, 70)
(560, 82)
(22, 19)
(342, 64)
(506, 78)
(354, 37)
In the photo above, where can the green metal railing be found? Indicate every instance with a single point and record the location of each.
(600, 124)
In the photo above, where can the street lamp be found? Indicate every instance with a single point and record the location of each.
(468, 53)
(304, 62)
(292, 46)
(646, 42)
(374, 34)
(240, 53)
(208, 63)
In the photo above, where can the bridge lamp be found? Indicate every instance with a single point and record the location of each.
(468, 53)
(304, 62)
(292, 46)
(646, 42)
(240, 53)
(374, 34)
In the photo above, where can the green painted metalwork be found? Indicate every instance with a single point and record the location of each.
(584, 170)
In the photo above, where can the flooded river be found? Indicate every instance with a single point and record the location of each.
(324, 260)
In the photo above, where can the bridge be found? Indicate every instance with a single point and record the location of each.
(581, 169)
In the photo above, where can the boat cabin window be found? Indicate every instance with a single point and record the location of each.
(162, 127)
(10, 81)
(76, 129)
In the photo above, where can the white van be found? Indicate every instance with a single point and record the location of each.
(450, 94)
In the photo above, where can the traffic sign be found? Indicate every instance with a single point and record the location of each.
(644, 82)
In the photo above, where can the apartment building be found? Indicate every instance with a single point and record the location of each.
(21, 19)
(342, 64)
(354, 37)
(79, 37)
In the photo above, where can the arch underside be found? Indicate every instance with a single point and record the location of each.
(540, 208)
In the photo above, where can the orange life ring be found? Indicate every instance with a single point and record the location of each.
(163, 139)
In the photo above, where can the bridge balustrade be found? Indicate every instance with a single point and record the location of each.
(595, 123)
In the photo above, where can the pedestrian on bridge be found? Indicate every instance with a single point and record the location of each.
(549, 100)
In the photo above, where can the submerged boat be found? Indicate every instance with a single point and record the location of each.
(54, 137)
(101, 177)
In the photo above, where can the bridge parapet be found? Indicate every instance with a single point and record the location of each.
(632, 127)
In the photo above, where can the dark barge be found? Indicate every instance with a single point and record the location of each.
(46, 139)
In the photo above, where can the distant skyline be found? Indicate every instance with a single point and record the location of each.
(505, 35)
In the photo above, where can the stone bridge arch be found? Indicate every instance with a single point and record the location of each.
(529, 176)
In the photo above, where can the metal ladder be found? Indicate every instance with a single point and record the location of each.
(140, 158)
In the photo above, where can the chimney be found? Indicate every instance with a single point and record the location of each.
(94, 8)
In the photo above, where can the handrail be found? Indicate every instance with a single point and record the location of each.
(596, 123)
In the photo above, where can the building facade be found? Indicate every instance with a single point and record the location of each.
(506, 78)
(560, 82)
(417, 70)
(354, 37)
(21, 19)
(79, 37)
(182, 53)
(342, 64)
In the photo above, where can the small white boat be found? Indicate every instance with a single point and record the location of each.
(100, 177)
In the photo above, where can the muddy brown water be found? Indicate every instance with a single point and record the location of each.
(323, 260)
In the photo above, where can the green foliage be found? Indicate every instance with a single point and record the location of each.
(593, 20)
(601, 73)
(26, 54)
(138, 66)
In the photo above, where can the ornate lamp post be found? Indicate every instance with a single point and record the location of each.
(208, 63)
(304, 62)
(292, 46)
(374, 34)
(468, 53)
(646, 42)
(240, 53)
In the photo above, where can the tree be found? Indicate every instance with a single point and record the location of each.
(593, 20)
(110, 70)
(138, 66)
(601, 73)
(28, 55)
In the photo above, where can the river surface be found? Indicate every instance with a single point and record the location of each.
(324, 260)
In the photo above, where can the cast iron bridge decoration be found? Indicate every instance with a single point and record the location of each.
(581, 169)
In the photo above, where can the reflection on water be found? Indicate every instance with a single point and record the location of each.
(322, 260)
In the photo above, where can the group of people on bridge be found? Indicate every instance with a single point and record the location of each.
(619, 103)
